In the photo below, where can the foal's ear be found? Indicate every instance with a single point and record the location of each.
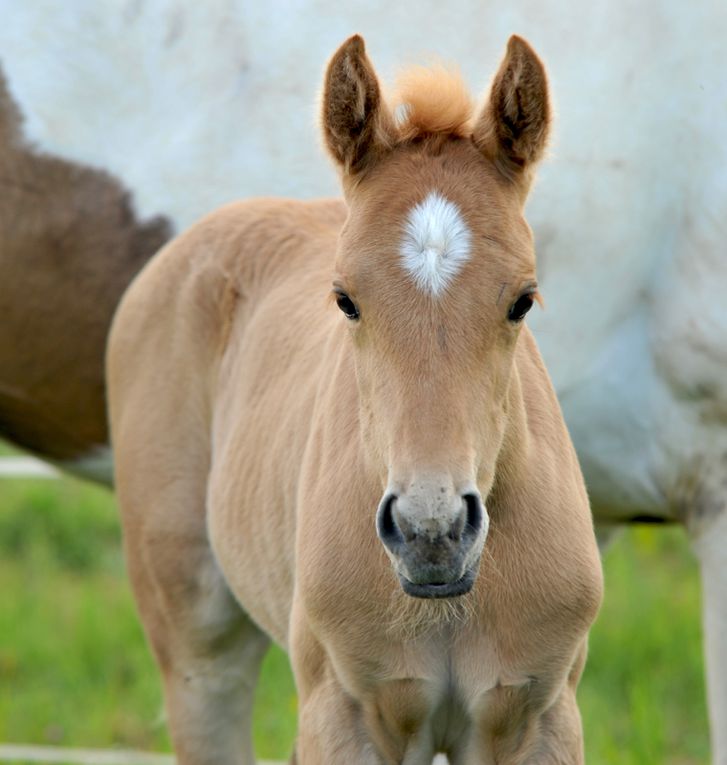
(357, 126)
(514, 125)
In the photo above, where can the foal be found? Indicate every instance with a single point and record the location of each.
(388, 491)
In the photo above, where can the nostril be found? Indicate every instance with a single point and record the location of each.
(473, 504)
(388, 531)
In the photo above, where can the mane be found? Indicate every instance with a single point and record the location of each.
(432, 100)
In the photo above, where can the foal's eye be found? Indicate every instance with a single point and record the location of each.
(520, 307)
(344, 302)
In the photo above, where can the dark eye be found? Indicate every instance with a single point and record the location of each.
(344, 302)
(520, 307)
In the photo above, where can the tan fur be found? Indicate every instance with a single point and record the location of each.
(255, 430)
(69, 245)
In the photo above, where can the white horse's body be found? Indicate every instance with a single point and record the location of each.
(191, 104)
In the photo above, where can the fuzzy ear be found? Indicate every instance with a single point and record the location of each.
(357, 126)
(513, 128)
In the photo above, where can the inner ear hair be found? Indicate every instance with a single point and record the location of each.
(514, 126)
(357, 125)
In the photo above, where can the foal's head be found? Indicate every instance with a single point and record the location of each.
(434, 275)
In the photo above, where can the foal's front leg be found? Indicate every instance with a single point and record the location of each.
(330, 723)
(553, 738)
(330, 729)
(335, 728)
(518, 730)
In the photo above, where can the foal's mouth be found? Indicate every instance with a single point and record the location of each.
(439, 590)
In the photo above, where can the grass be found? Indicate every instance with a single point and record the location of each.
(75, 670)
(642, 694)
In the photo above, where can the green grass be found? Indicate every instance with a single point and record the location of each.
(75, 670)
(72, 655)
(642, 694)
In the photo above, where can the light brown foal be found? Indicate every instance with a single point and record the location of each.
(386, 490)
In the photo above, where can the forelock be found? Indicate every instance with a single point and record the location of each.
(432, 100)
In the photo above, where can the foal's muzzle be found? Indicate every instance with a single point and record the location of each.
(434, 541)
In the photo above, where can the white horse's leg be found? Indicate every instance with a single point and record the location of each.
(606, 534)
(709, 536)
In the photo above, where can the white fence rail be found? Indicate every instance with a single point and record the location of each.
(26, 467)
(30, 753)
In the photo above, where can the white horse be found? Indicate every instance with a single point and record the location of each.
(184, 103)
